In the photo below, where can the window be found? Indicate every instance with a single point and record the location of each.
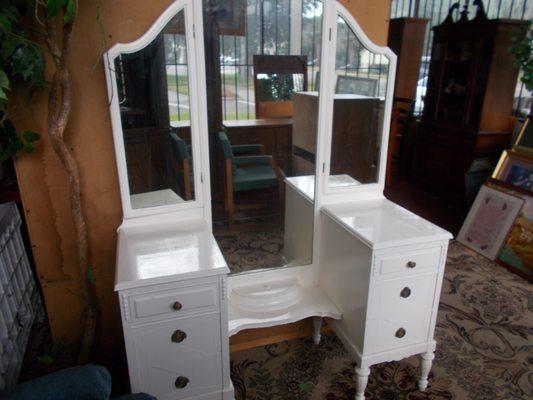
(267, 32)
(177, 78)
(311, 39)
(359, 70)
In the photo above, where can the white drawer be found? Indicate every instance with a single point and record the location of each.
(402, 304)
(398, 331)
(197, 359)
(408, 263)
(175, 302)
(409, 295)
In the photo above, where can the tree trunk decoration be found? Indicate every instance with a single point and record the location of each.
(59, 105)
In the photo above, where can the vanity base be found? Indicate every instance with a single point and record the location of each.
(385, 272)
(312, 303)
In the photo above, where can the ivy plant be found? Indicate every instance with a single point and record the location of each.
(28, 28)
(21, 66)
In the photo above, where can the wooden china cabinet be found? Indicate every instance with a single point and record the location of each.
(469, 100)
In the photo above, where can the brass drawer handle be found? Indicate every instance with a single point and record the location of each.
(177, 306)
(178, 336)
(411, 264)
(405, 293)
(400, 333)
(181, 382)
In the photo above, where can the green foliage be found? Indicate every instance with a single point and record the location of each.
(276, 87)
(11, 141)
(524, 57)
(22, 62)
(53, 8)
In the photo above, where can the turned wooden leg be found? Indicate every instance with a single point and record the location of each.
(426, 359)
(362, 380)
(317, 324)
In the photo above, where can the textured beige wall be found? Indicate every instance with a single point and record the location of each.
(42, 180)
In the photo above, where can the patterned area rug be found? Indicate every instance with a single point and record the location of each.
(484, 351)
(252, 249)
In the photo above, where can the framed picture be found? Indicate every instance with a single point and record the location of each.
(489, 220)
(524, 141)
(515, 169)
(231, 17)
(517, 251)
(517, 129)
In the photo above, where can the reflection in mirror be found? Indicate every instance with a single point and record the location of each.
(279, 87)
(153, 89)
(358, 110)
(263, 159)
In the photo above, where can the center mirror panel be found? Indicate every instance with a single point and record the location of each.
(153, 90)
(361, 78)
(263, 146)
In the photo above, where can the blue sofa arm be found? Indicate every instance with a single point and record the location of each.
(89, 382)
(138, 396)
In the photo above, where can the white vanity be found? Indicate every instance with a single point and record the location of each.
(383, 268)
(172, 286)
(372, 268)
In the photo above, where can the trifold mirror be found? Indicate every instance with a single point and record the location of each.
(256, 118)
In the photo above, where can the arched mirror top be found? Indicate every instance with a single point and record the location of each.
(153, 31)
(358, 110)
(155, 113)
(361, 34)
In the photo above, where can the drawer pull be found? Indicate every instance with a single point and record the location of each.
(181, 382)
(178, 336)
(177, 306)
(400, 333)
(405, 293)
(411, 264)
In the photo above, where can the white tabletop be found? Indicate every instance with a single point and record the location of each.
(155, 199)
(154, 254)
(305, 185)
(381, 223)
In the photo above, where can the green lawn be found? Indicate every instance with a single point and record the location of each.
(183, 116)
(242, 115)
(179, 83)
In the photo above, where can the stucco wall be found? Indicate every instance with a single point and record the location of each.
(42, 180)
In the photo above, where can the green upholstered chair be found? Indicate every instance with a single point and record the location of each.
(249, 172)
(182, 164)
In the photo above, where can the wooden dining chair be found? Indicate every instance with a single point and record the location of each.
(182, 164)
(253, 171)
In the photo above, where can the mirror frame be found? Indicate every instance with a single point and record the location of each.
(200, 207)
(328, 91)
(196, 65)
